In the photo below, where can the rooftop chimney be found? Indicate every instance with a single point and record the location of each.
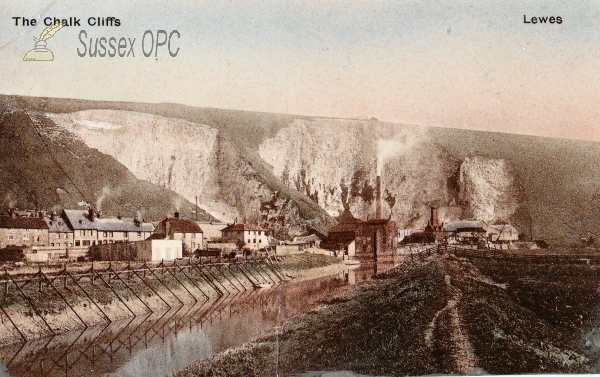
(91, 213)
(99, 214)
(53, 216)
(177, 215)
(379, 199)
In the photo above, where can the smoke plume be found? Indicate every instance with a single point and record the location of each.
(402, 143)
(105, 192)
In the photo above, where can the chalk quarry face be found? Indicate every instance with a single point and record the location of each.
(334, 162)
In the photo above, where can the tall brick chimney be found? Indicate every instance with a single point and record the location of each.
(434, 220)
(379, 199)
(91, 213)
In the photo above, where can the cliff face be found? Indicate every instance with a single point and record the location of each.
(171, 153)
(488, 189)
(191, 159)
(335, 162)
(332, 162)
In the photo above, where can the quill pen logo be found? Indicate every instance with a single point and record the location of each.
(40, 52)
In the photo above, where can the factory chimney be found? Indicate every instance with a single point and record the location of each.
(379, 199)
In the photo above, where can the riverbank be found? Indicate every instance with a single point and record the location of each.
(41, 302)
(447, 315)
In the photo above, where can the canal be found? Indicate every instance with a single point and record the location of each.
(162, 343)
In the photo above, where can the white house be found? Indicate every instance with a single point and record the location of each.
(253, 236)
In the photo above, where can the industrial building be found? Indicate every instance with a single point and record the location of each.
(371, 240)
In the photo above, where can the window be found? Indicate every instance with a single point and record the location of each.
(37, 239)
(248, 240)
(110, 234)
(139, 234)
(193, 235)
(183, 235)
(124, 234)
(82, 232)
(259, 241)
(86, 243)
(105, 234)
(52, 244)
(77, 243)
(254, 240)
(25, 237)
(11, 237)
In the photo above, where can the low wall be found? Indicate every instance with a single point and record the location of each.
(36, 257)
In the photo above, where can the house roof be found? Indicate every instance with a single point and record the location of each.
(469, 225)
(118, 225)
(453, 226)
(78, 219)
(8, 222)
(347, 217)
(309, 238)
(244, 226)
(58, 225)
(505, 228)
(181, 225)
(156, 236)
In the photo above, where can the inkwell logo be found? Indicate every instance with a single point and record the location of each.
(40, 53)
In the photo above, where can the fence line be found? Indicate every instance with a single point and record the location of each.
(220, 275)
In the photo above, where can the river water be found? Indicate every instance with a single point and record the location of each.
(166, 342)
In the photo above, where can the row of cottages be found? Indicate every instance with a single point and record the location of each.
(253, 236)
(71, 228)
(90, 228)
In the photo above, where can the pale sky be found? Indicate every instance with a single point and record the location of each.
(465, 64)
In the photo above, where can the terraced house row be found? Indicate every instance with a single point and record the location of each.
(71, 229)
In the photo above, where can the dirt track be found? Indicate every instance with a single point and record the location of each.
(450, 315)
